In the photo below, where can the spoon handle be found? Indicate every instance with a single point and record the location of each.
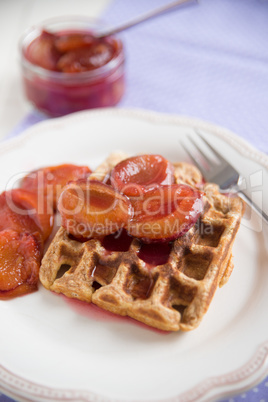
(141, 18)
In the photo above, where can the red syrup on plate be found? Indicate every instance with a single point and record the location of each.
(95, 313)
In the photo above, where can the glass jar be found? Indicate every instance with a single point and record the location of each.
(57, 92)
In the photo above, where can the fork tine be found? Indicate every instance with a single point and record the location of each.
(195, 161)
(207, 159)
(213, 150)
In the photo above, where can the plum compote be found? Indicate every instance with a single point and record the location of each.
(66, 69)
(142, 199)
(70, 52)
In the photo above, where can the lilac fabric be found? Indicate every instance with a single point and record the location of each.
(208, 61)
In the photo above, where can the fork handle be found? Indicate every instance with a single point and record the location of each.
(254, 206)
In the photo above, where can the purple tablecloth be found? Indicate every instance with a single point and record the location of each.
(208, 61)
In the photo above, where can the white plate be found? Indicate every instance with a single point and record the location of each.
(54, 349)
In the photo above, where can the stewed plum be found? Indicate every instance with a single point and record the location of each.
(91, 208)
(86, 58)
(49, 181)
(71, 41)
(20, 258)
(43, 53)
(136, 175)
(14, 216)
(165, 213)
(38, 209)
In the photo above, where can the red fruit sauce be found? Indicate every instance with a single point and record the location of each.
(155, 253)
(68, 71)
(119, 241)
(152, 254)
(95, 313)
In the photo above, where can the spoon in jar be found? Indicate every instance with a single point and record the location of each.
(142, 18)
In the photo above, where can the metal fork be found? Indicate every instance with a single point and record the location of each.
(221, 173)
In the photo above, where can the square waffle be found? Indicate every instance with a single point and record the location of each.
(172, 296)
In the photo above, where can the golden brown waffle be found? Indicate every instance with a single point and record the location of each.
(172, 296)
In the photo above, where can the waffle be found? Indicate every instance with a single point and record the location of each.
(173, 296)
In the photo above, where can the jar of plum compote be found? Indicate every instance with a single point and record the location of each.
(66, 69)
